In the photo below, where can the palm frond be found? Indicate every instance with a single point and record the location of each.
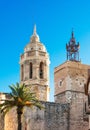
(19, 96)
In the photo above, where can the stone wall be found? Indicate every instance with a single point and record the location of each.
(53, 117)
(77, 118)
(10, 120)
(70, 79)
(2, 96)
(70, 76)
(1, 122)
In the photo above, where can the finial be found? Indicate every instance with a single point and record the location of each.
(72, 33)
(34, 31)
(34, 37)
(72, 49)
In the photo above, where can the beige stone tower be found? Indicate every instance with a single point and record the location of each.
(69, 79)
(34, 67)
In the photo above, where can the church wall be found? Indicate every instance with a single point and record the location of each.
(75, 76)
(53, 117)
(77, 112)
(2, 96)
(1, 122)
(77, 117)
(59, 80)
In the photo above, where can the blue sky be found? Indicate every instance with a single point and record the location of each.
(54, 20)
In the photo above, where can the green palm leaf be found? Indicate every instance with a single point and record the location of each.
(19, 96)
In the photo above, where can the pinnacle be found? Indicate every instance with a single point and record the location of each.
(34, 31)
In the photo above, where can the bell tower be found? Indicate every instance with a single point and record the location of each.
(34, 67)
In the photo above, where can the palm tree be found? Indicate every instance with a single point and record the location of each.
(20, 96)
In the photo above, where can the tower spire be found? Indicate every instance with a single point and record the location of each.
(72, 33)
(72, 49)
(34, 37)
(34, 30)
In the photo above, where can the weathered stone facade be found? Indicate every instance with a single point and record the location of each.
(2, 96)
(69, 79)
(67, 112)
(53, 117)
(34, 71)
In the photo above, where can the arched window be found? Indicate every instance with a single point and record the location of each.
(41, 70)
(22, 72)
(30, 71)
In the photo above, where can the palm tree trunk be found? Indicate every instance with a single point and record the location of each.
(19, 114)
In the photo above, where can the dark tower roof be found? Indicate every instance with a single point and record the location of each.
(72, 49)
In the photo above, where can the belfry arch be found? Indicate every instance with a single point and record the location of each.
(30, 70)
(22, 72)
(41, 70)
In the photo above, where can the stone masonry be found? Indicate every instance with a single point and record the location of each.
(68, 110)
(34, 63)
(53, 117)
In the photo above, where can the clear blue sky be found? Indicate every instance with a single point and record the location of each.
(54, 20)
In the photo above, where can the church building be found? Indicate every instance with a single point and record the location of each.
(67, 112)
